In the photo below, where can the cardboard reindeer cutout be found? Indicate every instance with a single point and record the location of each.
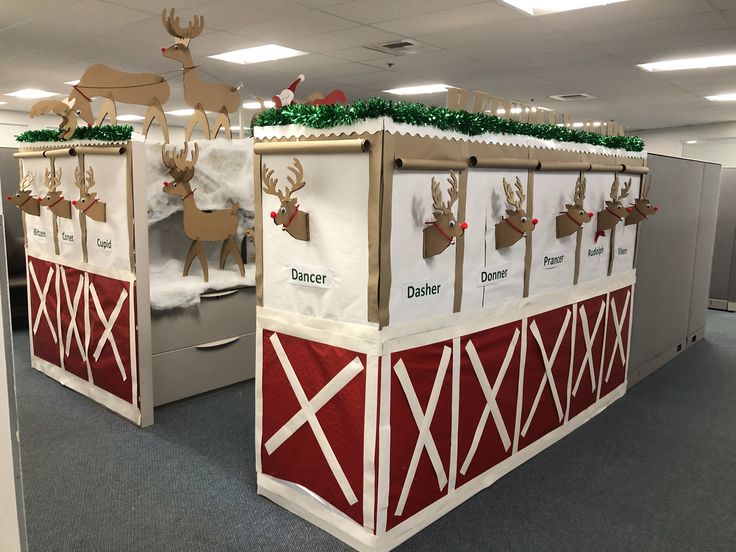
(54, 199)
(642, 207)
(440, 232)
(103, 81)
(614, 212)
(23, 198)
(62, 108)
(294, 221)
(220, 97)
(516, 224)
(88, 202)
(200, 226)
(572, 219)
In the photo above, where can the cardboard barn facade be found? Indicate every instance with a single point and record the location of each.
(392, 384)
(101, 229)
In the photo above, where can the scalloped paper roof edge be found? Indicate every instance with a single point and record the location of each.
(470, 124)
(106, 133)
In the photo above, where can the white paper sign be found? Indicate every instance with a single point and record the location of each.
(553, 260)
(310, 276)
(423, 292)
(494, 275)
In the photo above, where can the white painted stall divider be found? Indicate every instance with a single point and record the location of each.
(595, 250)
(490, 275)
(553, 258)
(336, 198)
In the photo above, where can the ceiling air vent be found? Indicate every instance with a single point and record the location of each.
(571, 97)
(400, 47)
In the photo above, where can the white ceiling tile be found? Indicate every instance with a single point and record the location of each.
(89, 15)
(309, 23)
(373, 11)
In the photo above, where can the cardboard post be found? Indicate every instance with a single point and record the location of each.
(516, 224)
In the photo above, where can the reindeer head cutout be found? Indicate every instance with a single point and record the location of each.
(23, 198)
(516, 224)
(54, 199)
(88, 203)
(614, 212)
(294, 221)
(575, 215)
(181, 169)
(642, 207)
(179, 51)
(439, 235)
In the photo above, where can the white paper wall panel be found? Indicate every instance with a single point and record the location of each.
(39, 229)
(336, 198)
(625, 242)
(70, 233)
(485, 206)
(108, 244)
(553, 259)
(594, 253)
(411, 209)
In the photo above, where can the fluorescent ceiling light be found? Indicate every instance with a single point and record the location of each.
(543, 7)
(691, 63)
(257, 105)
(421, 89)
(722, 97)
(72, 82)
(130, 117)
(259, 54)
(32, 93)
(578, 124)
(181, 112)
(691, 142)
(3, 103)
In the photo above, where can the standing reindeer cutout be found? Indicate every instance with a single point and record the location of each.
(54, 199)
(572, 219)
(88, 202)
(201, 95)
(199, 226)
(23, 199)
(516, 224)
(614, 212)
(444, 228)
(103, 81)
(294, 221)
(642, 207)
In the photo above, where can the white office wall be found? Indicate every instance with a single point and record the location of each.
(712, 142)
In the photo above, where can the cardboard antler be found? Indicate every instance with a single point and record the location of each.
(79, 180)
(26, 181)
(452, 191)
(614, 189)
(625, 191)
(269, 184)
(52, 181)
(297, 183)
(580, 186)
(171, 24)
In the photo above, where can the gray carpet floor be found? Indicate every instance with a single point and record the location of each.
(656, 471)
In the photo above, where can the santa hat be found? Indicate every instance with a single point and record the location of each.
(296, 83)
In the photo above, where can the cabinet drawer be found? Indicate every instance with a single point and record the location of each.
(219, 315)
(186, 372)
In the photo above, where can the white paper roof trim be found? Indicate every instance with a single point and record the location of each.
(387, 124)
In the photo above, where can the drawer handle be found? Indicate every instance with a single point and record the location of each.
(215, 294)
(218, 343)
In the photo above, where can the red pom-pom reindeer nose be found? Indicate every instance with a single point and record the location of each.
(163, 50)
(273, 214)
(535, 221)
(39, 199)
(628, 209)
(165, 184)
(89, 125)
(656, 208)
(590, 215)
(464, 225)
(74, 202)
(8, 197)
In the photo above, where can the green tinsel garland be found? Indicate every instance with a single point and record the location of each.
(471, 124)
(106, 133)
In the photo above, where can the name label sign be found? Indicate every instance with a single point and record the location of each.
(553, 259)
(38, 234)
(418, 291)
(491, 275)
(622, 251)
(310, 276)
(104, 244)
(596, 251)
